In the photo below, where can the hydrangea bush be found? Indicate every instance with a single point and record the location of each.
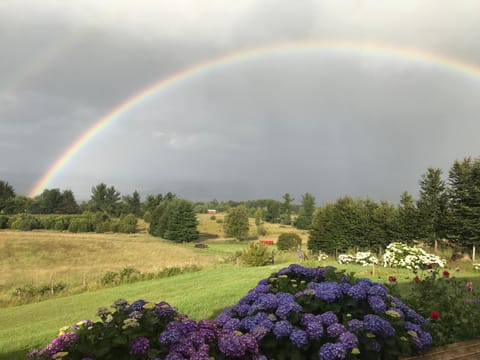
(363, 258)
(318, 313)
(403, 256)
(144, 330)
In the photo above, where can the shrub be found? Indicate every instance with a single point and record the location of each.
(288, 241)
(363, 258)
(213, 217)
(261, 231)
(3, 222)
(147, 216)
(404, 256)
(79, 224)
(256, 255)
(128, 224)
(317, 313)
(145, 330)
(25, 222)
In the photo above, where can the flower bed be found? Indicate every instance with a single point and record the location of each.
(297, 313)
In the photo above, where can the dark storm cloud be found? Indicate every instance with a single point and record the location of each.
(328, 123)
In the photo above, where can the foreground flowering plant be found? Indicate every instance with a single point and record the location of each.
(306, 313)
(144, 330)
(400, 255)
(451, 305)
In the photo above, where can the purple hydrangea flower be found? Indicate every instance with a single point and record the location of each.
(282, 328)
(137, 305)
(377, 304)
(139, 346)
(326, 291)
(164, 309)
(314, 330)
(328, 318)
(335, 330)
(332, 351)
(232, 324)
(349, 340)
(355, 325)
(357, 292)
(378, 326)
(378, 290)
(230, 344)
(259, 332)
(298, 337)
(61, 343)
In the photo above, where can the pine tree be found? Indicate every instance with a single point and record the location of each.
(408, 219)
(464, 194)
(181, 222)
(305, 215)
(432, 205)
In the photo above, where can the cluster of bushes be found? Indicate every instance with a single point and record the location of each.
(289, 241)
(129, 274)
(30, 291)
(87, 222)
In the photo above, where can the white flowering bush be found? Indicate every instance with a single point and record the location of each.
(363, 258)
(403, 256)
(346, 259)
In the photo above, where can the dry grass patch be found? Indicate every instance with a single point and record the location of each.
(40, 256)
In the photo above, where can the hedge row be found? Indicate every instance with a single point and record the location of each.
(87, 222)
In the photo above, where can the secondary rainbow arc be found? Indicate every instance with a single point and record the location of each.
(371, 49)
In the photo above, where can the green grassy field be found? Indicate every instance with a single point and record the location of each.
(37, 257)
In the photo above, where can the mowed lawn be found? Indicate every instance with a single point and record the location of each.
(200, 295)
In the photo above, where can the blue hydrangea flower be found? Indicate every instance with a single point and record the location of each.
(332, 351)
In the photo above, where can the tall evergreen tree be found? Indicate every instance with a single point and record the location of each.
(106, 199)
(286, 209)
(408, 225)
(132, 204)
(305, 215)
(272, 211)
(464, 194)
(181, 222)
(432, 205)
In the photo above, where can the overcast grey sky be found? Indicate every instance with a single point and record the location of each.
(327, 122)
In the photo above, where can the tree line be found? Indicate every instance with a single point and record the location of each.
(446, 209)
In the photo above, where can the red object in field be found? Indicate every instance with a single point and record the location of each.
(266, 242)
(435, 315)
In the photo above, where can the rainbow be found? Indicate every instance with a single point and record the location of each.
(370, 49)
